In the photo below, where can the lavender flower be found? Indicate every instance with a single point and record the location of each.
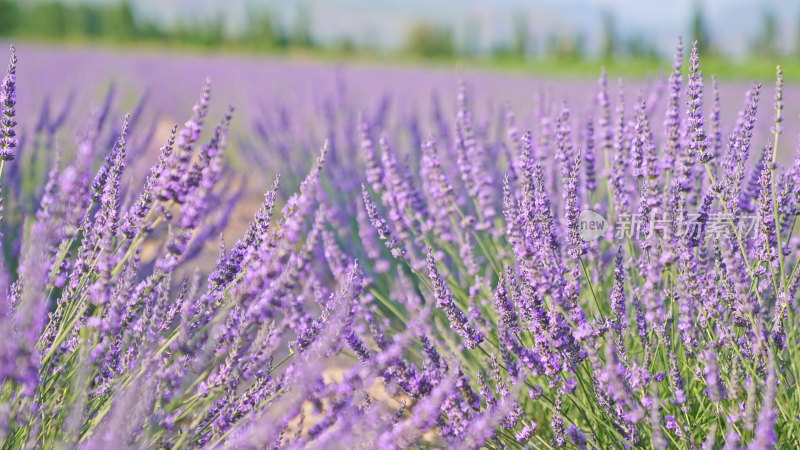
(589, 155)
(458, 320)
(505, 308)
(765, 436)
(695, 121)
(374, 170)
(380, 225)
(673, 123)
(306, 332)
(577, 245)
(8, 99)
(715, 388)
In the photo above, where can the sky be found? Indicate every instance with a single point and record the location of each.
(384, 23)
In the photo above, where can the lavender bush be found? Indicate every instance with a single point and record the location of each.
(467, 282)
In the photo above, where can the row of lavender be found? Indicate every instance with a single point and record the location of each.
(486, 312)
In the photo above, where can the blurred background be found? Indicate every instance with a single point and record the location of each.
(553, 37)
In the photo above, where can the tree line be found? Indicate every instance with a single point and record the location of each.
(262, 31)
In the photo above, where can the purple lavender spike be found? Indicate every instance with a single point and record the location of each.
(176, 172)
(373, 167)
(672, 124)
(617, 298)
(380, 225)
(563, 141)
(577, 246)
(716, 127)
(106, 222)
(767, 240)
(8, 99)
(589, 155)
(619, 159)
(650, 200)
(439, 189)
(458, 320)
(604, 124)
(764, 435)
(698, 141)
(739, 152)
(505, 307)
(714, 385)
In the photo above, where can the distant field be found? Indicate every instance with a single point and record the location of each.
(748, 68)
(257, 84)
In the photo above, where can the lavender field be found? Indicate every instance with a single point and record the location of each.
(238, 252)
